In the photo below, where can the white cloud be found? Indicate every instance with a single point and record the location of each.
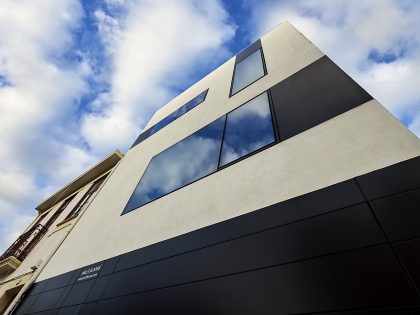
(36, 106)
(348, 31)
(156, 45)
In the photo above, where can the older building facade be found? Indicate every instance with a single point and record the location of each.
(275, 185)
(56, 217)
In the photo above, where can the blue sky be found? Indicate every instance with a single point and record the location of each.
(79, 79)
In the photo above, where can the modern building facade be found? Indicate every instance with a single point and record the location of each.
(56, 217)
(275, 185)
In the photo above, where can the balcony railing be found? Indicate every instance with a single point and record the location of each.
(21, 248)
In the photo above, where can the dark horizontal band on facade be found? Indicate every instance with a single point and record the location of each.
(328, 224)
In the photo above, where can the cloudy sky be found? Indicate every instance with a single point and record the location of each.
(79, 79)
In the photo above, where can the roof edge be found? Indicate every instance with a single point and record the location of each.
(98, 169)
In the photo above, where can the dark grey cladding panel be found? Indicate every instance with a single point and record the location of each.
(72, 310)
(324, 200)
(409, 252)
(48, 300)
(63, 296)
(364, 278)
(97, 289)
(38, 287)
(342, 230)
(248, 51)
(391, 180)
(399, 215)
(50, 312)
(87, 309)
(76, 275)
(409, 310)
(78, 293)
(143, 136)
(59, 281)
(313, 95)
(26, 304)
(109, 266)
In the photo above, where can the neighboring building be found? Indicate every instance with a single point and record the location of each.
(275, 185)
(56, 217)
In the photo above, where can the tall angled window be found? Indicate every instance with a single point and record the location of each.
(248, 128)
(248, 71)
(190, 159)
(86, 197)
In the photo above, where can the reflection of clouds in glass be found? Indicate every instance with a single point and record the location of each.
(163, 123)
(197, 100)
(248, 128)
(193, 103)
(257, 107)
(247, 71)
(179, 165)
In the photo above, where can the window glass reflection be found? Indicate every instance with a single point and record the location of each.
(182, 111)
(193, 103)
(248, 128)
(164, 122)
(247, 71)
(190, 159)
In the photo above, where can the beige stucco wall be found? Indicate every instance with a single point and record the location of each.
(358, 141)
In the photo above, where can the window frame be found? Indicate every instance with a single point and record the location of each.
(148, 133)
(218, 168)
(273, 124)
(234, 71)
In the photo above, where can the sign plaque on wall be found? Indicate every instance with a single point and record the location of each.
(90, 272)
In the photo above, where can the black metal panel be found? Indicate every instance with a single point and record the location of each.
(399, 215)
(324, 200)
(38, 287)
(109, 266)
(410, 310)
(59, 281)
(51, 312)
(394, 179)
(313, 95)
(365, 278)
(78, 293)
(26, 305)
(87, 309)
(248, 51)
(409, 252)
(76, 275)
(63, 296)
(97, 289)
(342, 230)
(47, 300)
(72, 310)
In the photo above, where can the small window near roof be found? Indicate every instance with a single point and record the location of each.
(248, 71)
(163, 123)
(193, 103)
